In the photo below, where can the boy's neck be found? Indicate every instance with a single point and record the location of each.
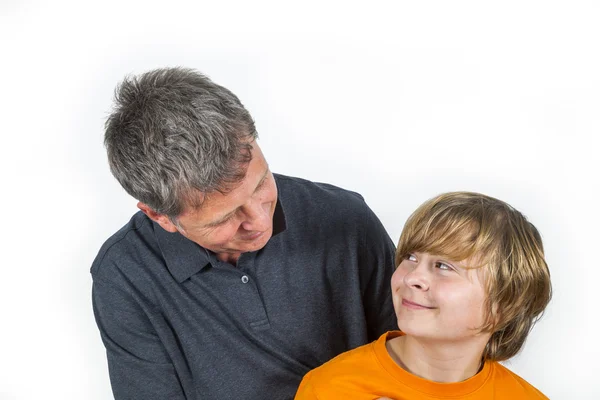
(438, 362)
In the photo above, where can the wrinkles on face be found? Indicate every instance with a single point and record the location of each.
(237, 221)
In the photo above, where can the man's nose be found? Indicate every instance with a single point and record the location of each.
(258, 217)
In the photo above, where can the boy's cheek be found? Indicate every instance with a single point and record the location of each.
(397, 278)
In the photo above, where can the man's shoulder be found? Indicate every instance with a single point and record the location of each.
(322, 208)
(123, 243)
(299, 190)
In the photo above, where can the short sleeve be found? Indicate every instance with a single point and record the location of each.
(138, 363)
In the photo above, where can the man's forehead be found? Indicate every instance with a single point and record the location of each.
(250, 181)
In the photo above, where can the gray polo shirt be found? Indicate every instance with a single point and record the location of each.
(178, 323)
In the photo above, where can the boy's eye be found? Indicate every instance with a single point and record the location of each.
(411, 257)
(443, 266)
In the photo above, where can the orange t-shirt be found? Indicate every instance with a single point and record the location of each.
(368, 372)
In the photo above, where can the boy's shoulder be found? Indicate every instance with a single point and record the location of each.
(513, 383)
(347, 361)
(358, 363)
(345, 365)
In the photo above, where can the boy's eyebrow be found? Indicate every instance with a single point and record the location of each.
(229, 214)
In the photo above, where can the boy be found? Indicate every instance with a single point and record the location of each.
(470, 282)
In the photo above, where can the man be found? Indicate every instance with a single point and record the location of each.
(232, 282)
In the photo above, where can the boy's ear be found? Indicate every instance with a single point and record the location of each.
(160, 219)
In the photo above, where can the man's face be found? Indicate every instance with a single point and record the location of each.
(238, 221)
(438, 299)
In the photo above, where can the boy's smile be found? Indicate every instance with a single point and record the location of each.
(414, 306)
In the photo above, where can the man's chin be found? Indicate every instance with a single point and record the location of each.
(249, 244)
(255, 242)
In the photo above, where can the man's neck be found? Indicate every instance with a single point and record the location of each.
(439, 362)
(231, 258)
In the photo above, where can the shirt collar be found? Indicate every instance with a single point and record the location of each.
(185, 258)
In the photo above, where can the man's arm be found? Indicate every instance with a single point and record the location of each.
(138, 363)
(377, 268)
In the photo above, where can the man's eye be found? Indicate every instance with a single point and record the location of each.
(262, 183)
(222, 222)
(226, 220)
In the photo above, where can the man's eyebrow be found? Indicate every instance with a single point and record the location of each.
(228, 215)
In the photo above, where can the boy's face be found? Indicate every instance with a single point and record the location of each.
(437, 298)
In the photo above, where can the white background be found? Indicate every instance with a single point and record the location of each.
(399, 101)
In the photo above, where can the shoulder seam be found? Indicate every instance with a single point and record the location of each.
(117, 241)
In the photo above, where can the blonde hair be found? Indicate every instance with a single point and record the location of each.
(478, 228)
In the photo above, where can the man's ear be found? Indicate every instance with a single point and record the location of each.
(160, 219)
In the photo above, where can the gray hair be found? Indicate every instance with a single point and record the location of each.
(174, 134)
